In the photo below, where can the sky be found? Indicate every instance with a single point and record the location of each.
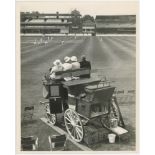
(91, 7)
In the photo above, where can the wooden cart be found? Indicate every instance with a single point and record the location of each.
(81, 100)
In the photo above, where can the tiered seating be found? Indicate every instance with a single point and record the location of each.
(114, 25)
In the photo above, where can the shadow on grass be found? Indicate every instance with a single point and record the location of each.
(25, 123)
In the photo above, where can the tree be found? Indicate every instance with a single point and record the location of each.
(88, 17)
(35, 14)
(75, 12)
(76, 20)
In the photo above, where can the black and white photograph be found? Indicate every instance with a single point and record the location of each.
(77, 76)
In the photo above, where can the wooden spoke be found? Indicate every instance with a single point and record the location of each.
(79, 131)
(73, 125)
(74, 132)
(69, 116)
(77, 134)
(67, 119)
(78, 126)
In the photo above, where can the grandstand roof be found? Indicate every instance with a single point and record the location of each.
(49, 14)
(45, 23)
(53, 14)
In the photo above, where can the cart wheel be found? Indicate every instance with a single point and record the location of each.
(52, 118)
(73, 125)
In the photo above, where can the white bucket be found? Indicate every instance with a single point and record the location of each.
(111, 138)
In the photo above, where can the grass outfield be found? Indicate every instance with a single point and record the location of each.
(111, 56)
